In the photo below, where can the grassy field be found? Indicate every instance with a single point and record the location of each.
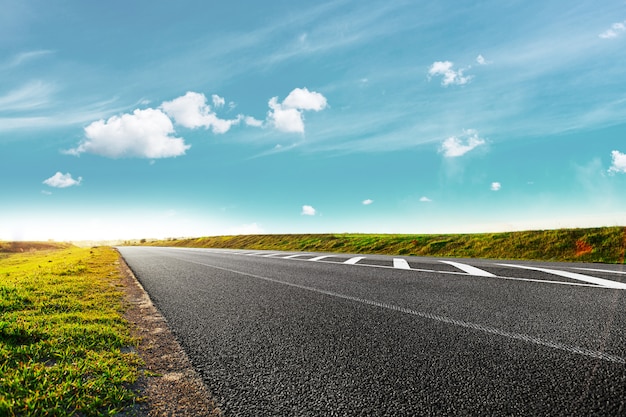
(64, 345)
(607, 244)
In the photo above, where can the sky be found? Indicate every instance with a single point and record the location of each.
(143, 119)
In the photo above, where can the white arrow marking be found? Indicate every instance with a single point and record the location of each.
(572, 275)
(469, 269)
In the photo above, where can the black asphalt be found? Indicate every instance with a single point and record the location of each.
(276, 336)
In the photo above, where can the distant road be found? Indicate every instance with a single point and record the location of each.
(312, 334)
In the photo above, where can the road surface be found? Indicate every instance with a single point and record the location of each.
(308, 334)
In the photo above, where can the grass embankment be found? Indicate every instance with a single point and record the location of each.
(607, 244)
(62, 333)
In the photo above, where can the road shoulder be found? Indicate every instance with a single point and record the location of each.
(168, 384)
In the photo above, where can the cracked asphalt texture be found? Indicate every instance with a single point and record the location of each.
(274, 337)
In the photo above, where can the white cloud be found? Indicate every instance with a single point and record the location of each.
(367, 202)
(60, 180)
(218, 101)
(303, 99)
(480, 60)
(496, 186)
(450, 76)
(619, 162)
(425, 199)
(454, 147)
(308, 211)
(27, 97)
(287, 116)
(142, 134)
(616, 30)
(192, 111)
(251, 121)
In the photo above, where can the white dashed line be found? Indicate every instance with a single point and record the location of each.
(572, 275)
(400, 263)
(354, 261)
(294, 256)
(469, 269)
(319, 258)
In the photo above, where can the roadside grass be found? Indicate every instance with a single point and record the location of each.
(65, 349)
(605, 244)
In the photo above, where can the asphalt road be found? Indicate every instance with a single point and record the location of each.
(303, 334)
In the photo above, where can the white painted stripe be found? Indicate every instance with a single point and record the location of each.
(271, 254)
(572, 275)
(442, 319)
(354, 261)
(400, 263)
(319, 258)
(602, 270)
(469, 269)
(294, 256)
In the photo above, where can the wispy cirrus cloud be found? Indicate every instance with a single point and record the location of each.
(25, 57)
(31, 95)
(614, 31)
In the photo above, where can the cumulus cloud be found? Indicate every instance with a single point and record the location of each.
(143, 134)
(445, 69)
(496, 186)
(218, 101)
(425, 199)
(60, 180)
(480, 60)
(454, 147)
(619, 162)
(616, 30)
(287, 116)
(251, 121)
(367, 202)
(303, 99)
(192, 111)
(308, 211)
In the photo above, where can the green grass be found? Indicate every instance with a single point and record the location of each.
(606, 244)
(63, 340)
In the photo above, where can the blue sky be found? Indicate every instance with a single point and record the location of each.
(151, 119)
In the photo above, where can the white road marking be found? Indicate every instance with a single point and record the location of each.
(601, 270)
(572, 275)
(400, 263)
(442, 319)
(319, 258)
(294, 256)
(354, 261)
(469, 269)
(270, 255)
